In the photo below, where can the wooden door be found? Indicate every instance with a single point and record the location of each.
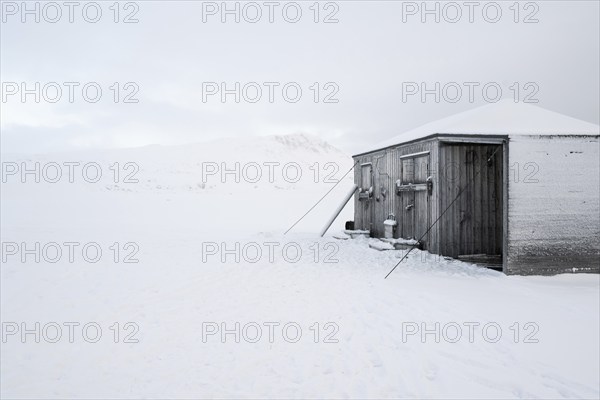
(413, 213)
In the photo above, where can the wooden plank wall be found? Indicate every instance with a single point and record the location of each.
(473, 223)
(386, 170)
(554, 205)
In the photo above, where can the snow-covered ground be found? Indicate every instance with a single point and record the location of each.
(361, 335)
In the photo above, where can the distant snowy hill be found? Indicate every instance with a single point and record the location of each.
(245, 179)
(279, 162)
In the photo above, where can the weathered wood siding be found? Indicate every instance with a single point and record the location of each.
(364, 208)
(553, 205)
(387, 165)
(472, 223)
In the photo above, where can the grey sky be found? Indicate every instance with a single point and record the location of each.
(368, 54)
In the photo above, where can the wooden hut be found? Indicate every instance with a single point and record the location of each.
(508, 184)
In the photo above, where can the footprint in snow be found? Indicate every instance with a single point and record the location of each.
(375, 360)
(430, 372)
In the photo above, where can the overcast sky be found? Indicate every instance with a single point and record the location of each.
(366, 57)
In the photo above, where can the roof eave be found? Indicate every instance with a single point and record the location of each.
(433, 136)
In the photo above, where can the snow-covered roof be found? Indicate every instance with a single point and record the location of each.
(504, 118)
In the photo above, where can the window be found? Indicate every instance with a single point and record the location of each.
(408, 171)
(365, 176)
(414, 173)
(415, 169)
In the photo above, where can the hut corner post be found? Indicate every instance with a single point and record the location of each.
(339, 209)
